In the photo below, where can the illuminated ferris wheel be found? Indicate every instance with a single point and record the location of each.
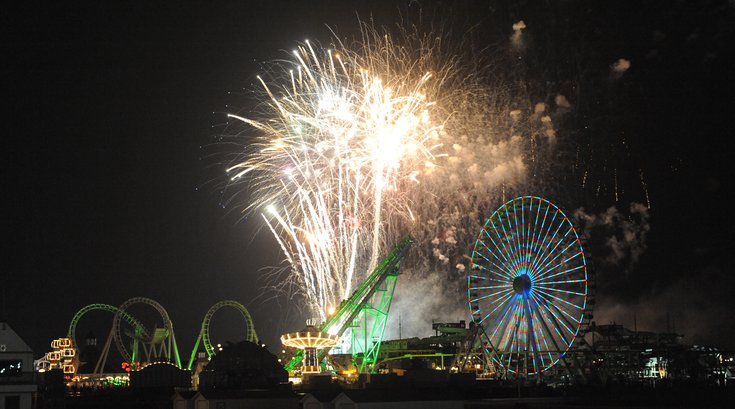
(528, 286)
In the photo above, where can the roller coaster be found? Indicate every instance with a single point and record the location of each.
(139, 345)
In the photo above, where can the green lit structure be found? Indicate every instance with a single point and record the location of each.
(203, 337)
(138, 328)
(144, 345)
(159, 345)
(309, 340)
(366, 311)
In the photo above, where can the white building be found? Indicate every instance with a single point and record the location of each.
(17, 382)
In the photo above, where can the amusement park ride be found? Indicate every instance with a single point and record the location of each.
(365, 313)
(137, 345)
(529, 288)
(529, 297)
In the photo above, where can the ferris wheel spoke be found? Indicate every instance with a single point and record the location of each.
(564, 262)
(556, 246)
(560, 320)
(554, 336)
(515, 242)
(560, 290)
(505, 337)
(488, 287)
(491, 271)
(501, 250)
(543, 328)
(560, 299)
(488, 295)
(540, 231)
(546, 334)
(505, 320)
(551, 223)
(499, 301)
(581, 280)
(508, 239)
(523, 235)
(532, 336)
(535, 233)
(551, 239)
(488, 278)
(542, 332)
(507, 274)
(524, 238)
(501, 319)
(511, 331)
(545, 279)
(559, 326)
(502, 302)
(564, 310)
(559, 254)
(493, 253)
(569, 321)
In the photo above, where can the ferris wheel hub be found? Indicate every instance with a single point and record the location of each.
(522, 284)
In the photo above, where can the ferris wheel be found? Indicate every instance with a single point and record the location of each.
(528, 286)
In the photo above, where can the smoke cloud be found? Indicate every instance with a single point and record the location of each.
(421, 299)
(619, 67)
(517, 38)
(701, 316)
(623, 237)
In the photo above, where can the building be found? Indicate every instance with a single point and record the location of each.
(17, 382)
(242, 399)
(183, 399)
(386, 398)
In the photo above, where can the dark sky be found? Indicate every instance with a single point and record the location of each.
(109, 112)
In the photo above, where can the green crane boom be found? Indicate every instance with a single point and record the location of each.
(380, 283)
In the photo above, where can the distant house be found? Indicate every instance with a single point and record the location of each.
(17, 383)
(385, 398)
(183, 399)
(319, 399)
(242, 399)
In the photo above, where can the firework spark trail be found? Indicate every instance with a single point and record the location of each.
(342, 133)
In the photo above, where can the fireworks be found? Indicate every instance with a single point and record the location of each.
(356, 146)
(342, 136)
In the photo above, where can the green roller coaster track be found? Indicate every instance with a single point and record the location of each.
(203, 336)
(366, 311)
(165, 349)
(71, 333)
(117, 312)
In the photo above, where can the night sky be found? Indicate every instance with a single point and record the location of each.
(112, 168)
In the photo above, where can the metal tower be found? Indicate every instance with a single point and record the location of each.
(366, 311)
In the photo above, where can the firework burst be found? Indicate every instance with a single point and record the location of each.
(343, 134)
(357, 145)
